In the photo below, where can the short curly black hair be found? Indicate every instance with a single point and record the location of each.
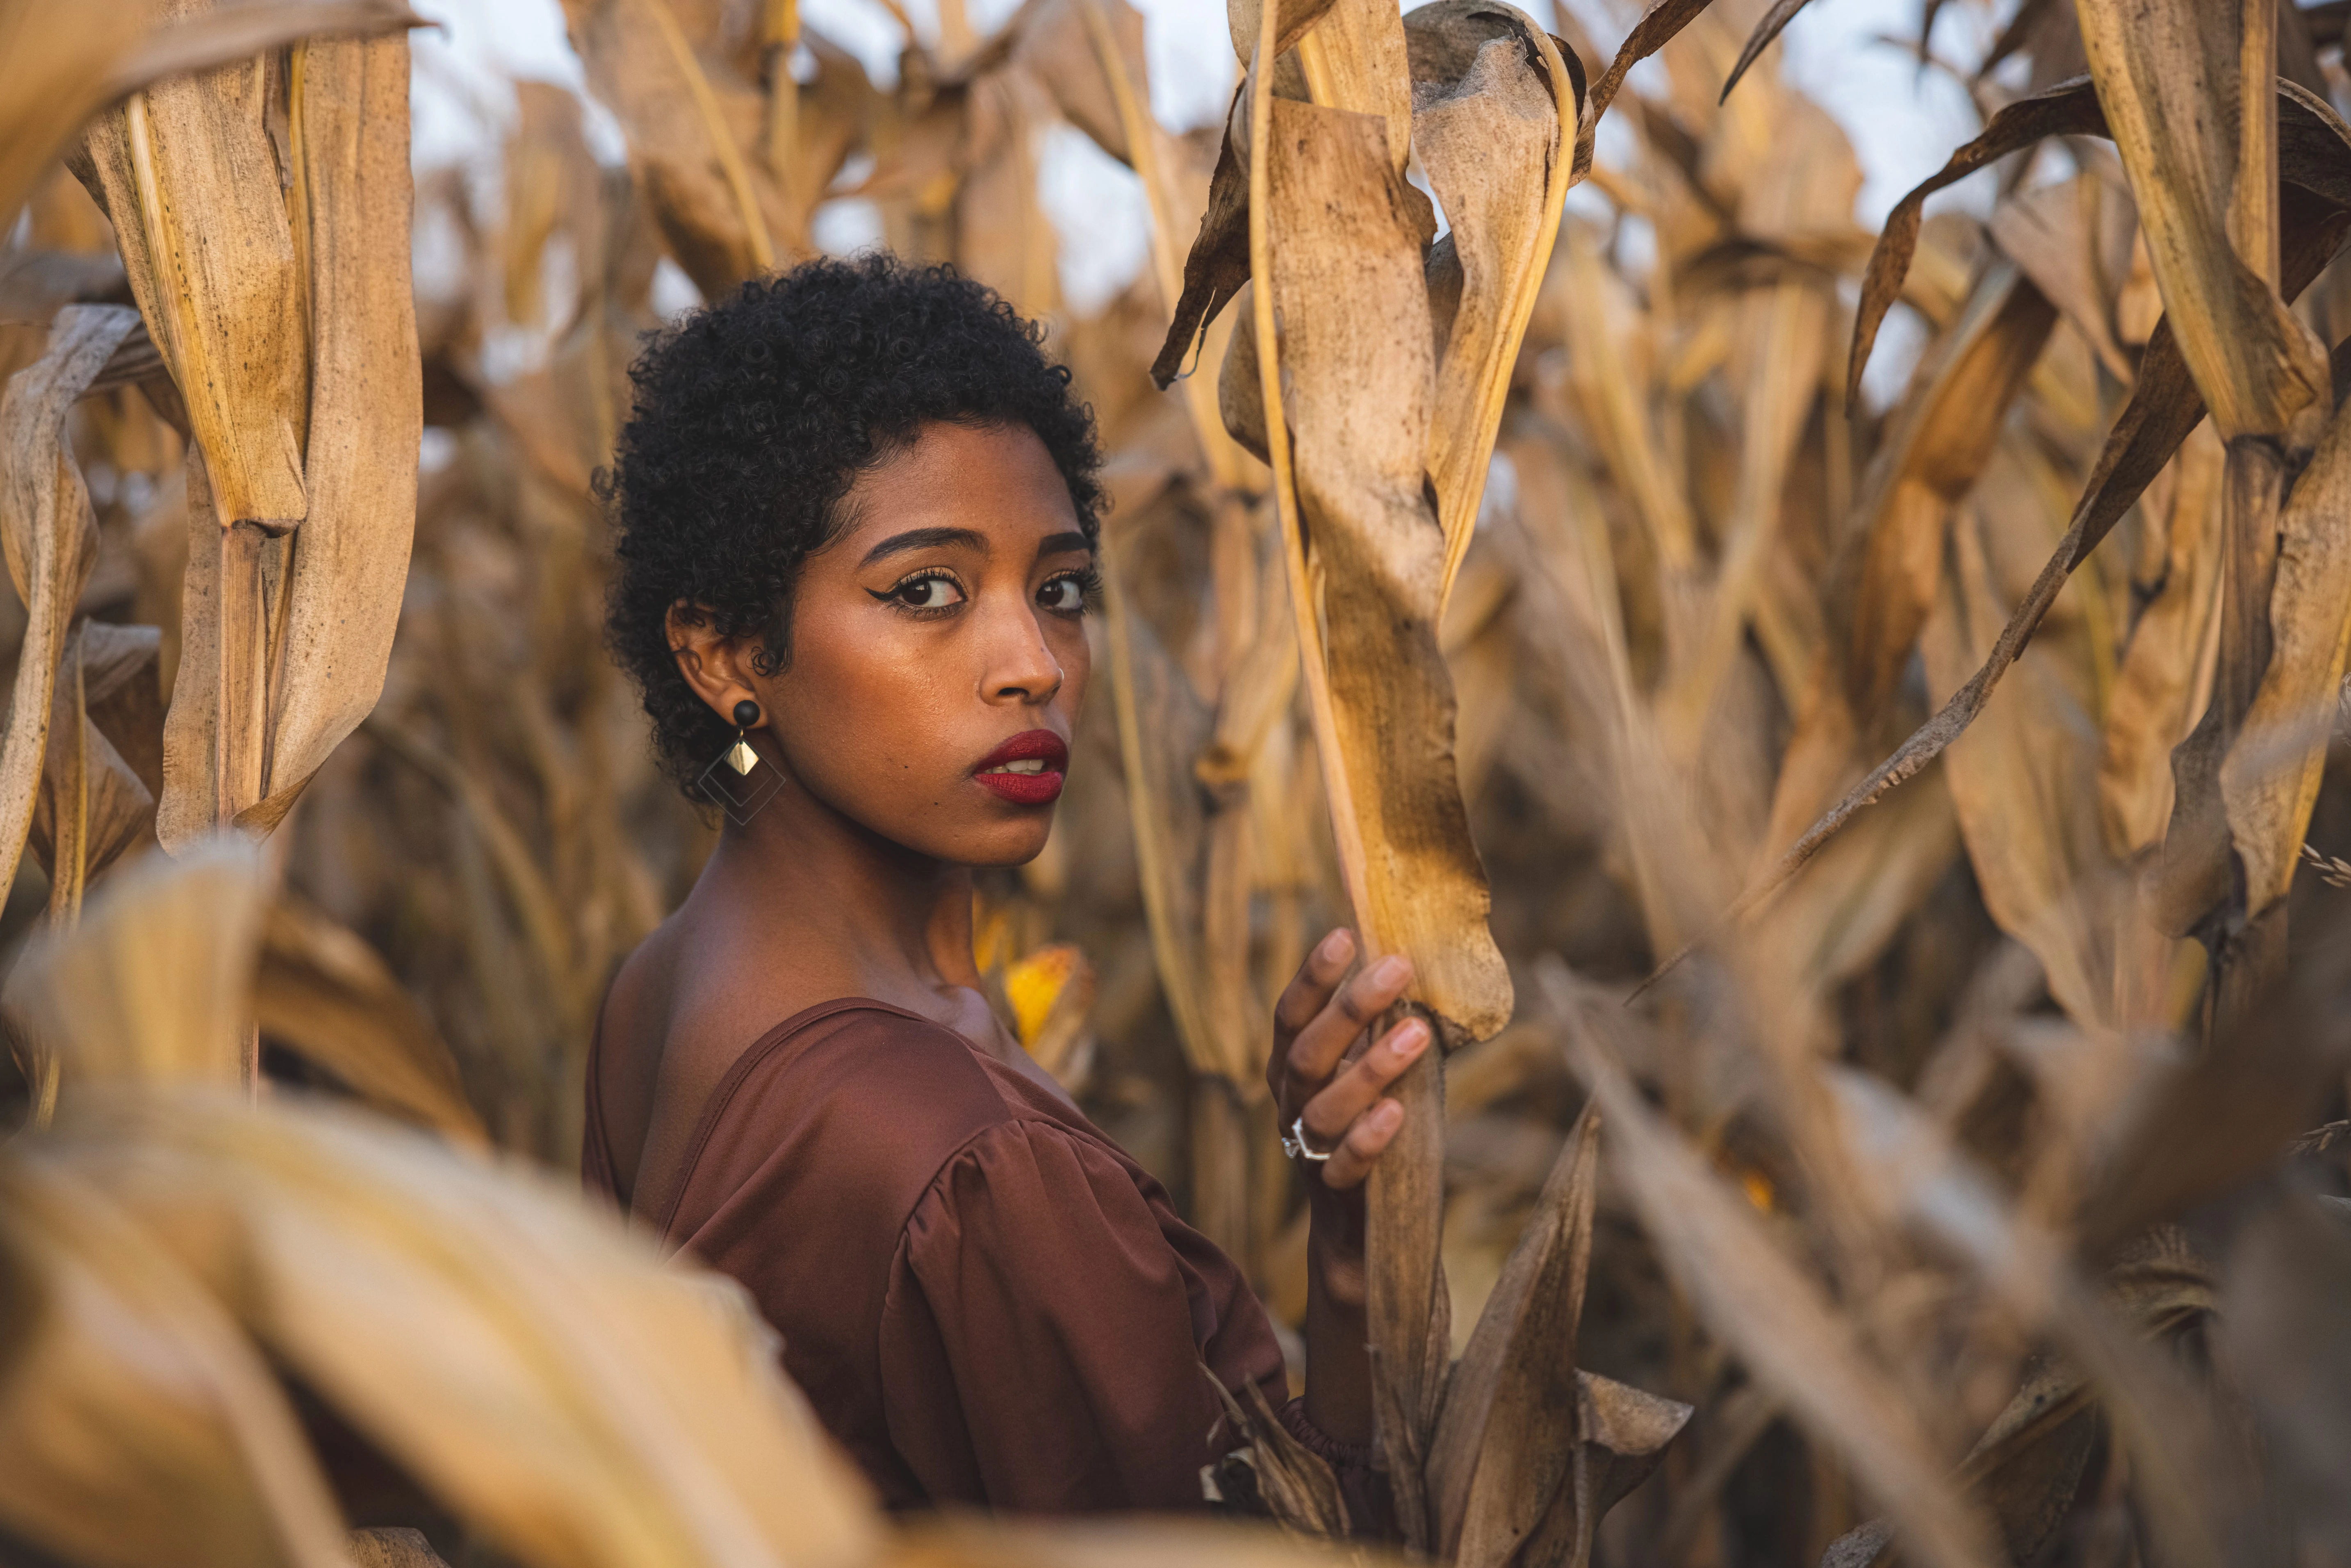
(754, 416)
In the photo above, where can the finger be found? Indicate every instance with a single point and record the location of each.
(1314, 1054)
(1330, 1113)
(1309, 990)
(1373, 1131)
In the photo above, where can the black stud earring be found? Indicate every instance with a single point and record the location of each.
(752, 784)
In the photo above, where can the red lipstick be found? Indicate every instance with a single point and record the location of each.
(1026, 770)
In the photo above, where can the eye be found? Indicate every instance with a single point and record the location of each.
(926, 590)
(1071, 593)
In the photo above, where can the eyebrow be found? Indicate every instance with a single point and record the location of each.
(925, 539)
(934, 538)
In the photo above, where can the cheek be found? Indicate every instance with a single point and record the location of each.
(1074, 649)
(863, 720)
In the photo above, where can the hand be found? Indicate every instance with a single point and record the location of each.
(1314, 1022)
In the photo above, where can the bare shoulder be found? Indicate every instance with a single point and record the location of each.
(631, 1029)
(681, 1009)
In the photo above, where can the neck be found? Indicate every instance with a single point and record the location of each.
(844, 901)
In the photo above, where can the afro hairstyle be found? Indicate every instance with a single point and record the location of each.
(752, 419)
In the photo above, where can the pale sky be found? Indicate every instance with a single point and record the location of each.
(1903, 125)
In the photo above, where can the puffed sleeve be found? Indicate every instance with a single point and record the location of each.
(1043, 1337)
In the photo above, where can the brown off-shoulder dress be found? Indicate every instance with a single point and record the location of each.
(985, 1300)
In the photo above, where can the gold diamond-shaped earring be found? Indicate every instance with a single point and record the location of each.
(741, 797)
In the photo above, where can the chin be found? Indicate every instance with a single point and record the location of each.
(1014, 844)
(983, 842)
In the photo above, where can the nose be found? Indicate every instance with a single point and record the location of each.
(1019, 667)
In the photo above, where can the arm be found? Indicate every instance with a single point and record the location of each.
(1339, 1108)
(1043, 1342)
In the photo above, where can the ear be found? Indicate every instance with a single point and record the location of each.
(717, 668)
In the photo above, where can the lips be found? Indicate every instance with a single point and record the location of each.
(1026, 770)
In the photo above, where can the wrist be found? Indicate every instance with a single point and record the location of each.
(1334, 1263)
(1337, 1329)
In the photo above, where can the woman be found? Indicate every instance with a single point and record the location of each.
(858, 518)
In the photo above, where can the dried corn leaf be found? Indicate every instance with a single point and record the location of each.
(54, 73)
(390, 1547)
(1356, 57)
(469, 1320)
(50, 537)
(349, 566)
(155, 980)
(2029, 1464)
(1776, 344)
(52, 76)
(2022, 781)
(2164, 407)
(1492, 97)
(200, 40)
(1356, 376)
(94, 806)
(1346, 384)
(2071, 109)
(1613, 366)
(1055, 44)
(2165, 675)
(1621, 1436)
(2287, 1277)
(1882, 584)
(1161, 726)
(1942, 439)
(1217, 264)
(1658, 27)
(2269, 781)
(2051, 233)
(325, 995)
(1856, 897)
(1768, 1312)
(689, 121)
(2169, 80)
(1292, 19)
(1774, 21)
(137, 1425)
(1296, 1484)
(123, 694)
(1123, 1543)
(1002, 237)
(1507, 1436)
(187, 171)
(287, 643)
(2312, 157)
(2026, 1469)
(2180, 1473)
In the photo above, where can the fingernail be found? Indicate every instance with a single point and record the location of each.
(1391, 970)
(1390, 1115)
(1410, 1038)
(1334, 946)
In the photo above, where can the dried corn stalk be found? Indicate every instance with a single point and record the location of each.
(605, 1409)
(58, 71)
(693, 121)
(2265, 174)
(52, 542)
(1379, 370)
(276, 287)
(136, 1422)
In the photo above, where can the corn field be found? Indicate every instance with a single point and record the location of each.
(1882, 877)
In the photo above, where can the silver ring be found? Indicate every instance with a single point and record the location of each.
(1294, 1144)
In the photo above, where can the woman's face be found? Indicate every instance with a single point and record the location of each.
(939, 648)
